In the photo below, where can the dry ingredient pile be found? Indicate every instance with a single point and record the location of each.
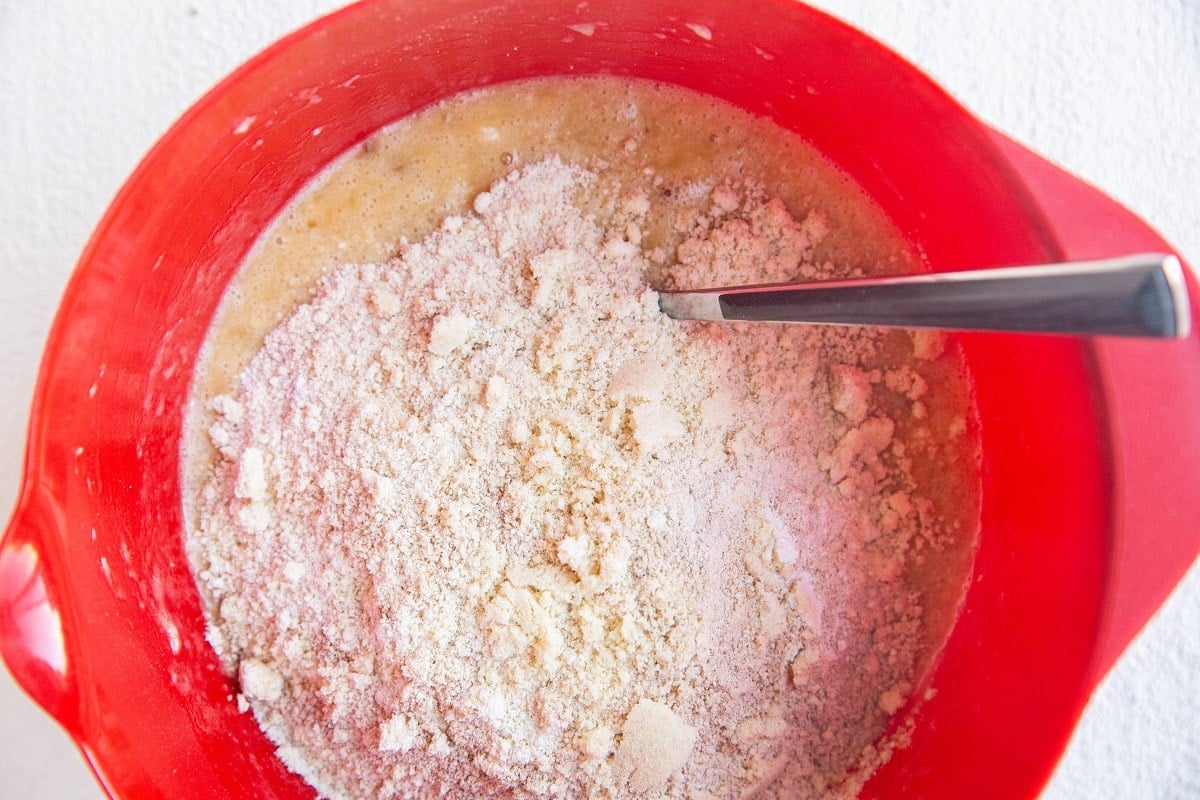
(484, 522)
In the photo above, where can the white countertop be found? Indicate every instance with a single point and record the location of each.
(1110, 89)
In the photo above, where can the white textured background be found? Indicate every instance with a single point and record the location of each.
(1110, 89)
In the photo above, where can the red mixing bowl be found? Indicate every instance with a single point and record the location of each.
(1090, 447)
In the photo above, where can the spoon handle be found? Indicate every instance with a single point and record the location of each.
(1139, 295)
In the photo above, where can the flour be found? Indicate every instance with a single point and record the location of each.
(484, 522)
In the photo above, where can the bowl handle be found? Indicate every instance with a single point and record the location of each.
(36, 640)
(1152, 397)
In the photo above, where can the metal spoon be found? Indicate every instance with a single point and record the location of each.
(1139, 295)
